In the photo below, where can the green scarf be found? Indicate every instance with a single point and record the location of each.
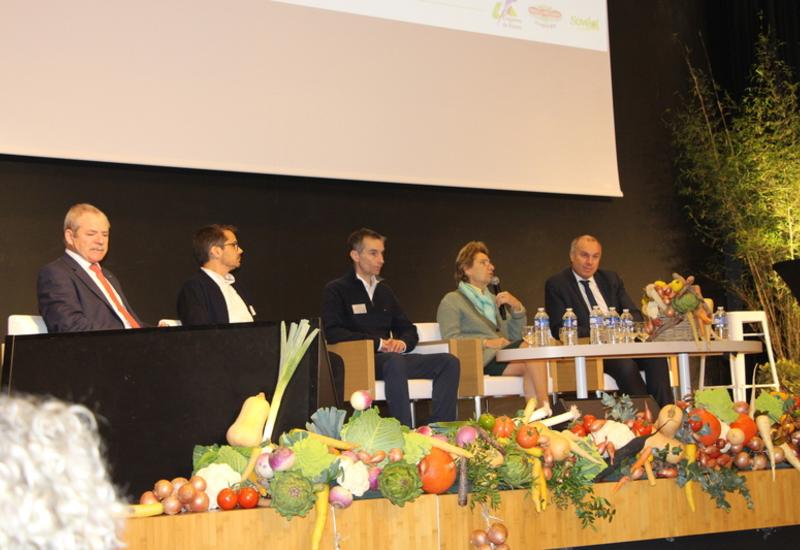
(483, 301)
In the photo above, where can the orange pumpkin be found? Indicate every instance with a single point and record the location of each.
(706, 426)
(747, 425)
(437, 471)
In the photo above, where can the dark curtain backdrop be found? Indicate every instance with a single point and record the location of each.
(293, 229)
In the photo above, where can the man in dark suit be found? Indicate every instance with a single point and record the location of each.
(212, 296)
(359, 306)
(76, 294)
(584, 285)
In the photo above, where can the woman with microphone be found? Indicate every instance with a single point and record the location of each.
(474, 311)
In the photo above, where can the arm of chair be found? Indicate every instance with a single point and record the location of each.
(359, 365)
(470, 355)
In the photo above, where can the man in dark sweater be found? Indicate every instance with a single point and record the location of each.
(359, 306)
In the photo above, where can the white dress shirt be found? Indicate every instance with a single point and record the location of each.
(370, 288)
(237, 309)
(598, 296)
(86, 266)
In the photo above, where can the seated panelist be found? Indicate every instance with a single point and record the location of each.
(75, 293)
(473, 311)
(213, 296)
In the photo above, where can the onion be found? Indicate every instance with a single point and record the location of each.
(198, 483)
(502, 546)
(425, 430)
(742, 460)
(163, 489)
(361, 400)
(497, 533)
(281, 459)
(263, 469)
(760, 462)
(179, 482)
(756, 444)
(547, 457)
(199, 502)
(478, 537)
(712, 451)
(741, 407)
(668, 472)
(548, 472)
(340, 497)
(779, 455)
(735, 449)
(148, 497)
(795, 439)
(186, 493)
(172, 505)
(466, 435)
(395, 455)
(724, 460)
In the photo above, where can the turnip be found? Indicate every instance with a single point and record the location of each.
(340, 497)
(263, 469)
(281, 459)
(361, 400)
(466, 435)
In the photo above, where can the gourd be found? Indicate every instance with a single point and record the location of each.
(667, 424)
(249, 426)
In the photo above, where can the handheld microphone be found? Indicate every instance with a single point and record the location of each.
(494, 286)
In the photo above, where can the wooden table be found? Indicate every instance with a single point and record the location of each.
(682, 350)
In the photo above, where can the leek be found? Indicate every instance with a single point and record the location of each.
(293, 349)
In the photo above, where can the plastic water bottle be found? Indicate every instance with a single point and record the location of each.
(596, 326)
(569, 324)
(720, 323)
(626, 326)
(541, 323)
(611, 324)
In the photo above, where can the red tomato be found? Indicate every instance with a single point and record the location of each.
(588, 419)
(437, 471)
(503, 427)
(709, 429)
(527, 436)
(227, 499)
(578, 430)
(641, 427)
(248, 497)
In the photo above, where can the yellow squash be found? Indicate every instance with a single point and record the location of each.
(248, 429)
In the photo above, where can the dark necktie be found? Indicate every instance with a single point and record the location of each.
(589, 293)
(110, 290)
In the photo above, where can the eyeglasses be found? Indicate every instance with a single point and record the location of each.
(234, 244)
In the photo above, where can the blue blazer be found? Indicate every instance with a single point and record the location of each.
(70, 301)
(200, 301)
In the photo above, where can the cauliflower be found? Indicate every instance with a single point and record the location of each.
(615, 432)
(218, 477)
(354, 476)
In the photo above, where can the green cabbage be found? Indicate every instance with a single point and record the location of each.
(400, 483)
(292, 494)
(373, 433)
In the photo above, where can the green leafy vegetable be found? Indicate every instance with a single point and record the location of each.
(327, 421)
(415, 447)
(400, 483)
(293, 348)
(516, 470)
(203, 455)
(587, 469)
(292, 494)
(718, 402)
(312, 458)
(373, 433)
(233, 458)
(771, 405)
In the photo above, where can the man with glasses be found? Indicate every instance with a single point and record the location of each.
(75, 293)
(212, 296)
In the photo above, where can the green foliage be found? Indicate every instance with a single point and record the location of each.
(619, 408)
(716, 482)
(718, 402)
(483, 478)
(327, 421)
(235, 457)
(771, 405)
(373, 433)
(739, 177)
(788, 373)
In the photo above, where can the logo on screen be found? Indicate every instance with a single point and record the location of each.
(544, 15)
(505, 14)
(585, 23)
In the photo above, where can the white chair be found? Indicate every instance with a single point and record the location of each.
(169, 323)
(739, 385)
(19, 325)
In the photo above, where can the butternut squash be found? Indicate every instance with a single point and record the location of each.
(249, 426)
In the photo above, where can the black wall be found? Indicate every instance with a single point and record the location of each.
(293, 229)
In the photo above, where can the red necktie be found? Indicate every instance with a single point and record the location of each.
(111, 294)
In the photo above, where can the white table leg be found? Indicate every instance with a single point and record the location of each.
(581, 385)
(684, 381)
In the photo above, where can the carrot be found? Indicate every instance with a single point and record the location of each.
(648, 468)
(321, 508)
(644, 456)
(255, 452)
(691, 456)
(463, 481)
(618, 485)
(329, 441)
(543, 489)
(790, 457)
(611, 451)
(764, 425)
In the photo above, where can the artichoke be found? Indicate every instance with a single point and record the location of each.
(516, 470)
(400, 483)
(686, 302)
(292, 494)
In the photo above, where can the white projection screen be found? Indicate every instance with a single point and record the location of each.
(495, 94)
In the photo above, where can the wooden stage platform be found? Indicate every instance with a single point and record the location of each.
(643, 512)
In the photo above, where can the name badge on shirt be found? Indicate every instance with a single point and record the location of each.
(359, 309)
